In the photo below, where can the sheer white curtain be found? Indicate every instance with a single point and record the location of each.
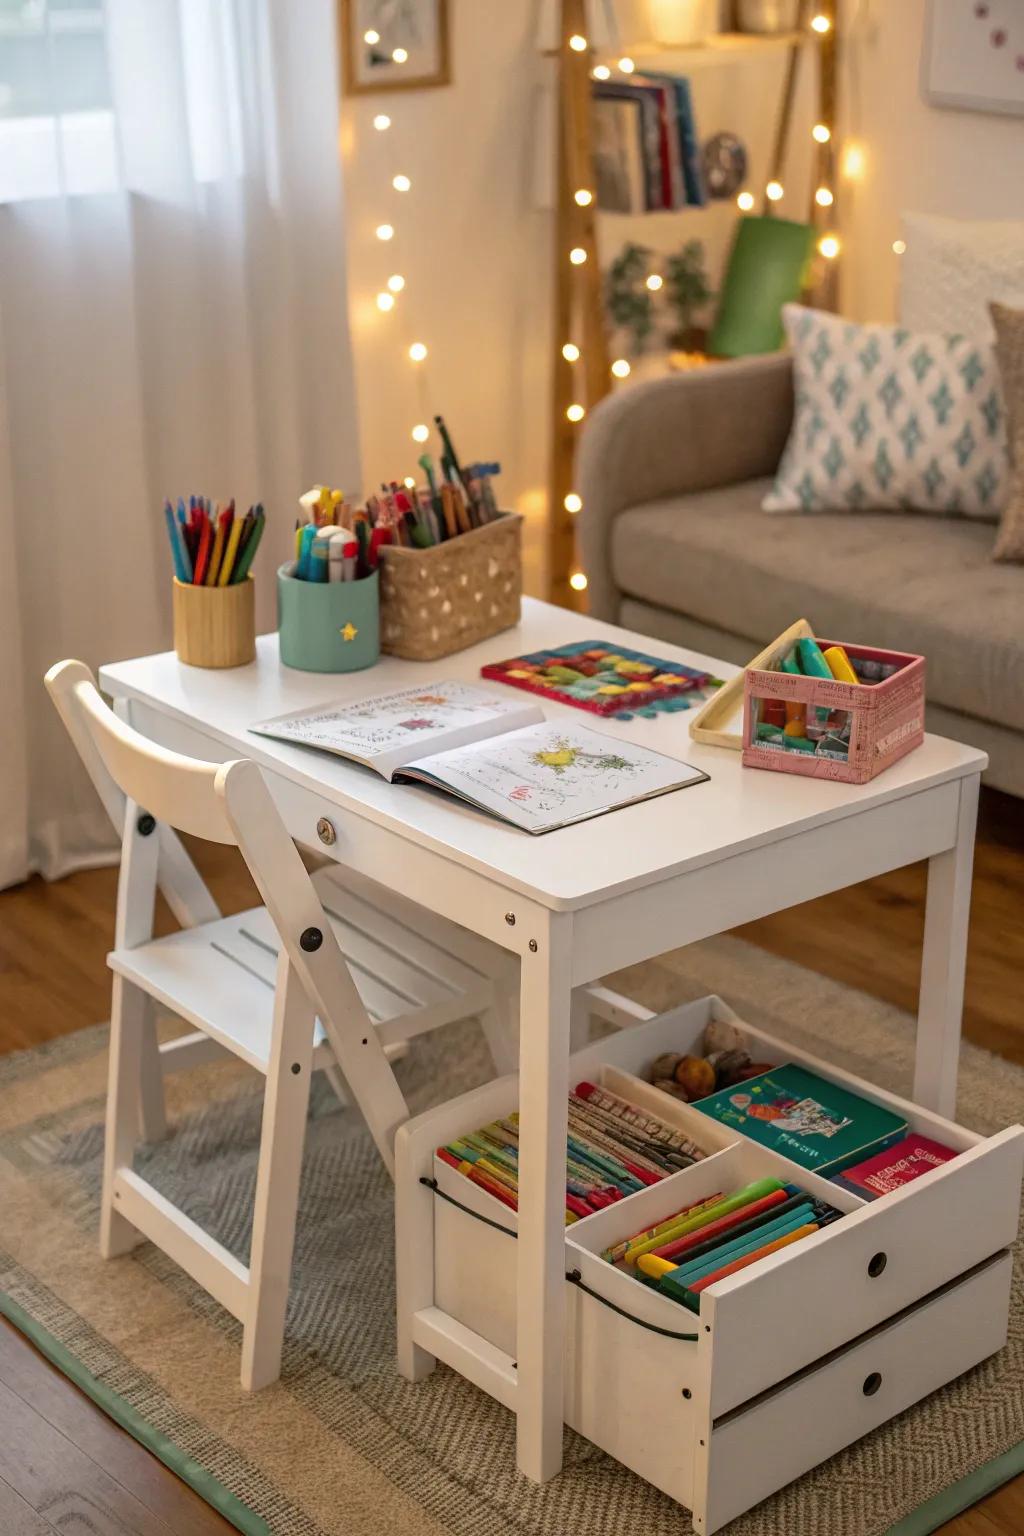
(172, 319)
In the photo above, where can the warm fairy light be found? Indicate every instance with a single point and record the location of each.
(385, 231)
(409, 483)
(396, 282)
(745, 201)
(853, 161)
(620, 368)
(584, 197)
(575, 412)
(371, 37)
(601, 72)
(823, 197)
(773, 191)
(420, 433)
(417, 351)
(821, 133)
(899, 246)
(654, 282)
(381, 122)
(578, 581)
(577, 255)
(400, 55)
(626, 65)
(820, 24)
(385, 301)
(401, 183)
(829, 246)
(573, 503)
(578, 43)
(571, 352)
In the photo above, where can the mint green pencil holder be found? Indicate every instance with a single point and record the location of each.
(327, 626)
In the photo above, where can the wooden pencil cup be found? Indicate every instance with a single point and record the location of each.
(215, 626)
(327, 626)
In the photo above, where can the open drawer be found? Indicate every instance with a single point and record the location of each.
(661, 1387)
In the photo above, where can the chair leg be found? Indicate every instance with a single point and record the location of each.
(285, 1103)
(152, 1110)
(500, 1024)
(129, 1011)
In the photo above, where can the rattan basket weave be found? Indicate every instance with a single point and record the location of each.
(436, 601)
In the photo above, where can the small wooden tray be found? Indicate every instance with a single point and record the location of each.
(710, 723)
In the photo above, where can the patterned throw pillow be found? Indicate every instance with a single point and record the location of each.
(888, 419)
(1009, 324)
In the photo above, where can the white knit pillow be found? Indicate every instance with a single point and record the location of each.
(952, 269)
(889, 419)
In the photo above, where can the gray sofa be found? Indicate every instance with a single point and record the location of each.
(675, 545)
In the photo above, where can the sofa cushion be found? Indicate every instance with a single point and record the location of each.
(908, 582)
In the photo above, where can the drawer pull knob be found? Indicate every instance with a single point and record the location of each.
(325, 832)
(877, 1264)
(872, 1383)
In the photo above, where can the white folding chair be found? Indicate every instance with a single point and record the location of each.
(331, 972)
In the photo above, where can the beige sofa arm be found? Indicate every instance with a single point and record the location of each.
(693, 431)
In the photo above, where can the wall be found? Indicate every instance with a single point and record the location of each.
(917, 158)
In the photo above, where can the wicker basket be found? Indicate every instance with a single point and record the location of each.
(436, 601)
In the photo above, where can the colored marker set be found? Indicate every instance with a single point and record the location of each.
(210, 545)
(614, 1149)
(718, 1236)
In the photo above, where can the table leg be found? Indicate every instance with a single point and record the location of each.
(546, 990)
(943, 962)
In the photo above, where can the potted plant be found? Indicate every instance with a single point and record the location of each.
(627, 298)
(687, 291)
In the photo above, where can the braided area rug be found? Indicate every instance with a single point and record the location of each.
(342, 1446)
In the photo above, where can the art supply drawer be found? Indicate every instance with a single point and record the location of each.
(659, 1384)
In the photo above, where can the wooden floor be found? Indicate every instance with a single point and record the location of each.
(65, 1467)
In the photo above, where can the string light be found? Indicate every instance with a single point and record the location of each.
(773, 191)
(823, 197)
(584, 197)
(578, 581)
(899, 246)
(829, 247)
(620, 368)
(821, 133)
(821, 24)
(385, 301)
(575, 412)
(571, 352)
(409, 483)
(573, 502)
(626, 65)
(601, 72)
(745, 201)
(654, 282)
(385, 231)
(382, 122)
(417, 351)
(577, 43)
(401, 183)
(577, 255)
(853, 161)
(420, 433)
(400, 55)
(371, 37)
(396, 282)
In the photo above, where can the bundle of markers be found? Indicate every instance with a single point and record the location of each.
(718, 1235)
(338, 541)
(614, 1149)
(210, 545)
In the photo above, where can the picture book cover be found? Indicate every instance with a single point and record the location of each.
(899, 1164)
(806, 1118)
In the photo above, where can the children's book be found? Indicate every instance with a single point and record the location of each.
(805, 1117)
(898, 1165)
(497, 754)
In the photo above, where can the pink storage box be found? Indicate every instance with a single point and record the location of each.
(887, 718)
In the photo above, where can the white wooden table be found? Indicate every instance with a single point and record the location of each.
(578, 903)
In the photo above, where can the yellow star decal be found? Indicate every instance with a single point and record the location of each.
(349, 632)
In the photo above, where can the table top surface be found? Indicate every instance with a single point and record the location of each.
(736, 810)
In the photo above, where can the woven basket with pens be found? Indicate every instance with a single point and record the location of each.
(440, 600)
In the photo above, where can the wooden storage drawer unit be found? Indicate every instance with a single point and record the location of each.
(778, 1343)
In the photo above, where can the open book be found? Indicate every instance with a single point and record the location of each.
(497, 754)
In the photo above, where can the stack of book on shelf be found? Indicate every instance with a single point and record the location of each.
(646, 148)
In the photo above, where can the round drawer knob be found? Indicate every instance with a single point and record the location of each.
(310, 939)
(872, 1383)
(876, 1264)
(325, 831)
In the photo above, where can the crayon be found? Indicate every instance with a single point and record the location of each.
(713, 1232)
(618, 1250)
(746, 1196)
(839, 665)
